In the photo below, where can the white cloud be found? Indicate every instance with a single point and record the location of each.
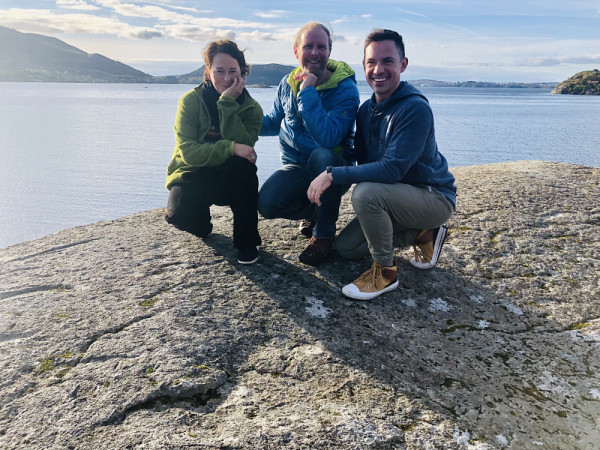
(257, 36)
(557, 60)
(169, 4)
(76, 4)
(411, 13)
(273, 14)
(342, 19)
(144, 33)
(202, 29)
(199, 33)
(219, 22)
(45, 22)
(147, 11)
(352, 40)
(178, 26)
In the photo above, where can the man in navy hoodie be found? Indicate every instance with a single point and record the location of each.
(404, 193)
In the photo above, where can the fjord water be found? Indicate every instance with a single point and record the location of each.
(73, 154)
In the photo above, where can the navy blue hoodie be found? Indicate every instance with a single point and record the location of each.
(395, 143)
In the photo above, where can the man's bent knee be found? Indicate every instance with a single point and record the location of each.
(265, 207)
(321, 157)
(363, 195)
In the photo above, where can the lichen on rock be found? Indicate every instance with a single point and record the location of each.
(130, 333)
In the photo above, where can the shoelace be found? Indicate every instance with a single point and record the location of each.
(370, 277)
(420, 254)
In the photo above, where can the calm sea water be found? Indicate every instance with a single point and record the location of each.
(73, 154)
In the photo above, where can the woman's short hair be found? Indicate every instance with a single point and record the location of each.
(228, 47)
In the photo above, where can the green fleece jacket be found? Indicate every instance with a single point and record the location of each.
(238, 123)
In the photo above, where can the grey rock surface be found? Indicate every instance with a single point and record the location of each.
(131, 334)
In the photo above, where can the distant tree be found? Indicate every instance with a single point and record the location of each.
(582, 83)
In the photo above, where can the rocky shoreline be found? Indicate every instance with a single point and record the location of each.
(131, 334)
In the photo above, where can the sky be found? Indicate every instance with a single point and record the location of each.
(450, 40)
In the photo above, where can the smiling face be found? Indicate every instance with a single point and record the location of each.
(313, 51)
(383, 65)
(223, 69)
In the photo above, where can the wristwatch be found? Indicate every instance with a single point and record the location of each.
(328, 170)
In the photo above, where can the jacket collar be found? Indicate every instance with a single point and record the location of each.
(339, 72)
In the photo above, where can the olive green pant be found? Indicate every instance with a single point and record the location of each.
(389, 216)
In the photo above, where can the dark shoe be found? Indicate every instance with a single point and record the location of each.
(248, 255)
(374, 282)
(306, 227)
(204, 232)
(316, 251)
(428, 247)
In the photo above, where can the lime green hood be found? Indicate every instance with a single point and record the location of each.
(340, 71)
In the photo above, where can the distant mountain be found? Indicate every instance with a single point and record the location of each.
(33, 57)
(260, 75)
(480, 84)
(582, 83)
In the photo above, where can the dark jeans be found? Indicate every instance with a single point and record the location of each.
(232, 184)
(283, 195)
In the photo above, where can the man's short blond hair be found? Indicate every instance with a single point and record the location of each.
(312, 26)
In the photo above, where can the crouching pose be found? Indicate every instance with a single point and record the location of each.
(404, 193)
(313, 115)
(214, 162)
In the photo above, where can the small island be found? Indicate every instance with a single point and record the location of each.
(582, 83)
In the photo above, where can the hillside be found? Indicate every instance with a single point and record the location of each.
(582, 83)
(481, 84)
(260, 74)
(33, 57)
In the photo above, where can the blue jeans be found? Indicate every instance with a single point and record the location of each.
(283, 195)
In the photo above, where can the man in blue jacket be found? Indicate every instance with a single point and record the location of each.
(404, 193)
(313, 114)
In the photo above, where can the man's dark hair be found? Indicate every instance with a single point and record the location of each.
(379, 34)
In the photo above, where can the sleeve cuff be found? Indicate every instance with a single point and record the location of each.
(340, 175)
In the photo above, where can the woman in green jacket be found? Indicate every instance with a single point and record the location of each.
(214, 162)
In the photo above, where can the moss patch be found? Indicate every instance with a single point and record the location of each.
(579, 325)
(149, 303)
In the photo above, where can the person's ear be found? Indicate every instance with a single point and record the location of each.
(404, 65)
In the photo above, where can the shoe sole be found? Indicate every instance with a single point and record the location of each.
(437, 250)
(310, 262)
(241, 261)
(248, 262)
(306, 231)
(367, 295)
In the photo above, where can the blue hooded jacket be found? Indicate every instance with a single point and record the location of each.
(321, 116)
(395, 143)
